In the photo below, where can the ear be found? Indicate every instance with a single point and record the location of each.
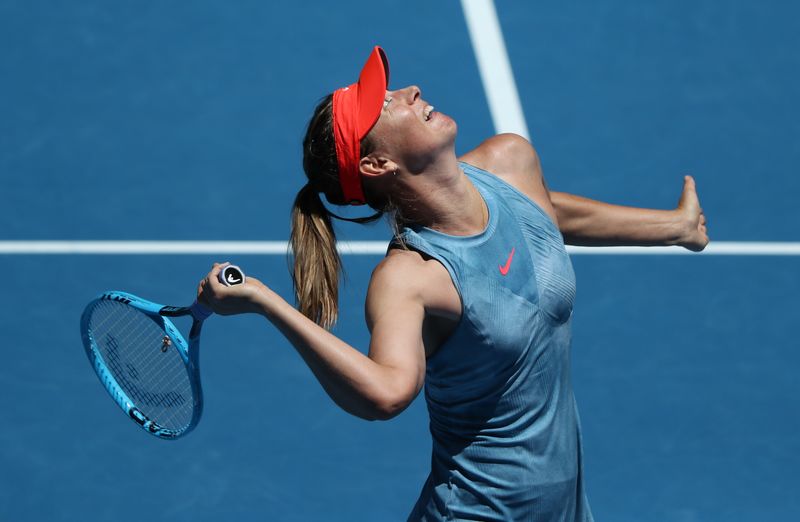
(374, 165)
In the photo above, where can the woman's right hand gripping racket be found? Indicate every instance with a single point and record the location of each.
(144, 362)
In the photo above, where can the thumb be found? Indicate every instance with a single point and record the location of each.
(689, 194)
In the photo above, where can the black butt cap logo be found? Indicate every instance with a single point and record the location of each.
(231, 275)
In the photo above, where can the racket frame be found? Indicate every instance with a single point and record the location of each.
(188, 352)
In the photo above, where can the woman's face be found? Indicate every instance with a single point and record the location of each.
(410, 132)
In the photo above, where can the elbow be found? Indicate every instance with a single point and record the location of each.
(389, 396)
(389, 412)
(375, 409)
(389, 406)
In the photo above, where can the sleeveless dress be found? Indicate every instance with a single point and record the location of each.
(504, 425)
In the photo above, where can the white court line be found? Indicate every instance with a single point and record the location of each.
(494, 66)
(378, 248)
(506, 110)
(507, 116)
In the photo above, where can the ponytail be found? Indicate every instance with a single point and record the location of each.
(316, 261)
(317, 265)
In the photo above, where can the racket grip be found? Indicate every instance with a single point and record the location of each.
(200, 312)
(231, 275)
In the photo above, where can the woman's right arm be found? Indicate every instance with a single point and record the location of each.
(376, 386)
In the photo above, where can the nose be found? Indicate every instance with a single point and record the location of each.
(410, 94)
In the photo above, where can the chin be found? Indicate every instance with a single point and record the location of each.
(447, 124)
(453, 130)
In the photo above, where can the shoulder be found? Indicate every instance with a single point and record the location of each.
(505, 155)
(403, 273)
(513, 159)
(408, 278)
(400, 269)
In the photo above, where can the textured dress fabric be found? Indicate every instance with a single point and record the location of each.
(504, 425)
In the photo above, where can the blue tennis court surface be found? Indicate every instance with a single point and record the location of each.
(149, 121)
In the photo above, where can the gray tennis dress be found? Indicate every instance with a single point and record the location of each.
(505, 429)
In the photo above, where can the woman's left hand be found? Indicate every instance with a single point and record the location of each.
(694, 235)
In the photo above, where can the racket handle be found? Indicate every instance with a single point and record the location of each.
(231, 275)
(200, 312)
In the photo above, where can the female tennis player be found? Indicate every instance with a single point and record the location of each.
(473, 298)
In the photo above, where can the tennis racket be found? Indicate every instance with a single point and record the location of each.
(144, 362)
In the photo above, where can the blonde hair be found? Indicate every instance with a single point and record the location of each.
(316, 265)
(316, 260)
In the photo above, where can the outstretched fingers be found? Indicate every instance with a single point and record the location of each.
(695, 236)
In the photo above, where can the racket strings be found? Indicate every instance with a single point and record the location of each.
(131, 345)
(157, 397)
(113, 344)
(128, 372)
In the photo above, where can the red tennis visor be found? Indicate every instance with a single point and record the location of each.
(356, 109)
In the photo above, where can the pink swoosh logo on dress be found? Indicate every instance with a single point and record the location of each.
(504, 268)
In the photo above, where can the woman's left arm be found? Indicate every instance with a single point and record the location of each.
(587, 222)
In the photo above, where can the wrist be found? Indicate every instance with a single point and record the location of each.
(686, 229)
(677, 226)
(266, 302)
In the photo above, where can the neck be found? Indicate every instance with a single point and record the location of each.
(444, 199)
